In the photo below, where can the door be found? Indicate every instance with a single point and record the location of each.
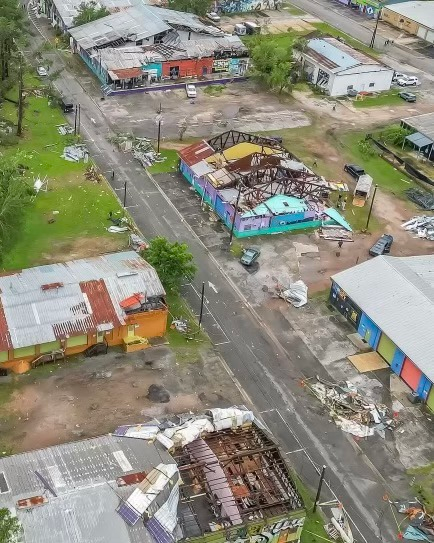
(386, 348)
(411, 374)
(430, 399)
(204, 70)
(423, 388)
(131, 330)
(369, 331)
(397, 362)
(99, 337)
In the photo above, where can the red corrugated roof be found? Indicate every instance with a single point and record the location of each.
(100, 302)
(128, 73)
(5, 338)
(195, 153)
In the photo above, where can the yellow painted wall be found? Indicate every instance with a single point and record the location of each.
(147, 324)
(399, 21)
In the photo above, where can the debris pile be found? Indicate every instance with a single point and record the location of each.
(141, 148)
(422, 198)
(65, 129)
(92, 174)
(421, 523)
(335, 233)
(422, 225)
(295, 294)
(75, 153)
(137, 243)
(351, 411)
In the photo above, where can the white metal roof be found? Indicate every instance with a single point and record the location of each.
(421, 12)
(397, 293)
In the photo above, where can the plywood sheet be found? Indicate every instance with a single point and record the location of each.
(368, 362)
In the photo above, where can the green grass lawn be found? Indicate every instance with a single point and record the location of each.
(293, 10)
(284, 39)
(79, 227)
(388, 98)
(325, 28)
(214, 90)
(170, 164)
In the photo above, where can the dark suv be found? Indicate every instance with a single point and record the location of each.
(382, 246)
(354, 170)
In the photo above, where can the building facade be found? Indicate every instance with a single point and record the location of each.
(390, 302)
(415, 17)
(337, 68)
(63, 309)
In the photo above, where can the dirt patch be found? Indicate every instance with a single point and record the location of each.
(84, 398)
(84, 247)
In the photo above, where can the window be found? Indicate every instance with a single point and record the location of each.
(372, 84)
(24, 351)
(49, 347)
(131, 330)
(76, 341)
(350, 87)
(4, 487)
(4, 356)
(247, 227)
(99, 337)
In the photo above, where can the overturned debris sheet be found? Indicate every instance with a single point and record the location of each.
(76, 153)
(335, 233)
(295, 294)
(141, 148)
(351, 411)
(423, 226)
(420, 521)
(422, 198)
(65, 129)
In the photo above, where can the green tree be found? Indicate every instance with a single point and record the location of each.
(173, 262)
(198, 7)
(272, 65)
(395, 134)
(88, 12)
(15, 194)
(12, 32)
(10, 528)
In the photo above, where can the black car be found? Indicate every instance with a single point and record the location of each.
(381, 246)
(66, 105)
(407, 96)
(354, 170)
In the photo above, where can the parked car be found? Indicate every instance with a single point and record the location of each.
(407, 96)
(212, 16)
(410, 80)
(382, 246)
(42, 71)
(66, 105)
(191, 90)
(250, 255)
(354, 170)
(399, 75)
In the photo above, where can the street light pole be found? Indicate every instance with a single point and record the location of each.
(125, 193)
(159, 135)
(318, 494)
(370, 208)
(233, 218)
(371, 45)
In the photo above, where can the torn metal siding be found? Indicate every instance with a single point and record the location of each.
(101, 303)
(195, 153)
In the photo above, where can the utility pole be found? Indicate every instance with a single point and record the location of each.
(233, 218)
(370, 207)
(78, 119)
(159, 122)
(201, 304)
(75, 120)
(371, 45)
(20, 98)
(318, 493)
(125, 193)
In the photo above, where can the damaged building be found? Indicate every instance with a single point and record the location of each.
(52, 311)
(215, 477)
(390, 301)
(256, 186)
(140, 46)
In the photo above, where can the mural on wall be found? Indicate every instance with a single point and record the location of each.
(220, 65)
(236, 6)
(238, 66)
(323, 78)
(281, 531)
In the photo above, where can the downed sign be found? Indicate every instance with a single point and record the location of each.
(295, 294)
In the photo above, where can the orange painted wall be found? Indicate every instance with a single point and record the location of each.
(148, 324)
(188, 68)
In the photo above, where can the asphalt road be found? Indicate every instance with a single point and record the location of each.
(268, 371)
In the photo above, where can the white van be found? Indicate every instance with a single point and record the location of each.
(240, 29)
(252, 28)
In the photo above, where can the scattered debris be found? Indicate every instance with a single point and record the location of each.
(339, 527)
(137, 243)
(75, 153)
(295, 294)
(40, 185)
(423, 226)
(351, 411)
(141, 148)
(65, 129)
(92, 174)
(424, 199)
(117, 229)
(180, 325)
(335, 233)
(158, 394)
(421, 523)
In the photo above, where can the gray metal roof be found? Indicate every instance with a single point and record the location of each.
(422, 123)
(422, 12)
(88, 294)
(83, 475)
(188, 20)
(68, 9)
(397, 293)
(419, 140)
(131, 24)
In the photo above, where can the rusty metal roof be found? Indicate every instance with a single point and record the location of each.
(45, 303)
(195, 153)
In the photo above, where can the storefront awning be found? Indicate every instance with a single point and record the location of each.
(419, 140)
